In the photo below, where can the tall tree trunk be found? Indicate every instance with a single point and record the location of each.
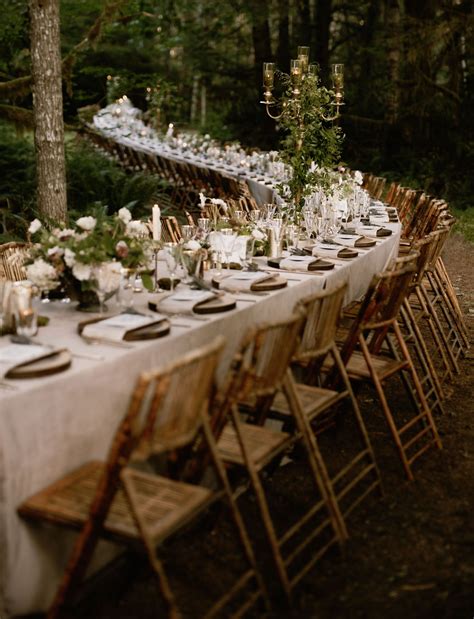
(283, 49)
(394, 59)
(260, 36)
(323, 23)
(304, 18)
(48, 108)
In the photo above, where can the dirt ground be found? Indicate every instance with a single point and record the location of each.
(410, 554)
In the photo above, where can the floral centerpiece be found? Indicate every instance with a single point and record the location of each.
(68, 256)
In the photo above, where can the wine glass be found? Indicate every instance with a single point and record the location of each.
(171, 262)
(187, 232)
(105, 281)
(309, 217)
(228, 241)
(125, 292)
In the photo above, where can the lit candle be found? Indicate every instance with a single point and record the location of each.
(268, 74)
(169, 132)
(296, 72)
(338, 77)
(156, 222)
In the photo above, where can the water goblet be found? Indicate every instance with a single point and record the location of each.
(228, 241)
(204, 225)
(101, 282)
(170, 250)
(187, 232)
(125, 292)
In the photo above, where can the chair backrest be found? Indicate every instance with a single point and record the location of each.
(265, 356)
(323, 311)
(12, 256)
(168, 404)
(380, 307)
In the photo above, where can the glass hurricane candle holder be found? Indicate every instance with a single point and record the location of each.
(303, 57)
(338, 78)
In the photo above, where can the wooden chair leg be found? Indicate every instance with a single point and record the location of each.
(440, 349)
(445, 280)
(386, 409)
(443, 338)
(416, 336)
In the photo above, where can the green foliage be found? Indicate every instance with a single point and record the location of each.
(465, 223)
(93, 177)
(309, 138)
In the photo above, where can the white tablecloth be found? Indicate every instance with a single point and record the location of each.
(51, 425)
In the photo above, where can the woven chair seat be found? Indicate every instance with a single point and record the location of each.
(166, 503)
(262, 444)
(313, 400)
(384, 367)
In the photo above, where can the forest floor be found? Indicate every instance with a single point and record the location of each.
(410, 553)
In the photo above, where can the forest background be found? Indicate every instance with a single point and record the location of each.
(409, 68)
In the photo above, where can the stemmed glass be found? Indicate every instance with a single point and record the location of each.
(103, 282)
(228, 241)
(309, 217)
(171, 262)
(187, 232)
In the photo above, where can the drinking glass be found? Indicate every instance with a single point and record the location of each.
(26, 318)
(292, 236)
(187, 232)
(100, 276)
(125, 292)
(228, 240)
(309, 217)
(171, 262)
(204, 224)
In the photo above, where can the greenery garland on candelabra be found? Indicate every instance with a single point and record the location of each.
(312, 141)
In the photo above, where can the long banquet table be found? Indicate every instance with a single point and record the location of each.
(51, 425)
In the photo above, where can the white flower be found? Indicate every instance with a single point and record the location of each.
(58, 251)
(65, 234)
(137, 229)
(42, 274)
(358, 177)
(80, 236)
(125, 215)
(35, 225)
(258, 235)
(69, 258)
(192, 245)
(81, 271)
(86, 223)
(202, 200)
(108, 276)
(219, 202)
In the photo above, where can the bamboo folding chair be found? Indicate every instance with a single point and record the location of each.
(429, 378)
(383, 354)
(441, 294)
(439, 279)
(424, 309)
(260, 369)
(12, 257)
(352, 481)
(116, 499)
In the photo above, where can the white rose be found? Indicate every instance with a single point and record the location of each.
(258, 235)
(86, 223)
(65, 234)
(35, 225)
(137, 228)
(125, 215)
(59, 251)
(81, 271)
(69, 258)
(42, 274)
(192, 245)
(358, 177)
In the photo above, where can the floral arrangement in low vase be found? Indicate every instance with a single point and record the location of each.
(86, 259)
